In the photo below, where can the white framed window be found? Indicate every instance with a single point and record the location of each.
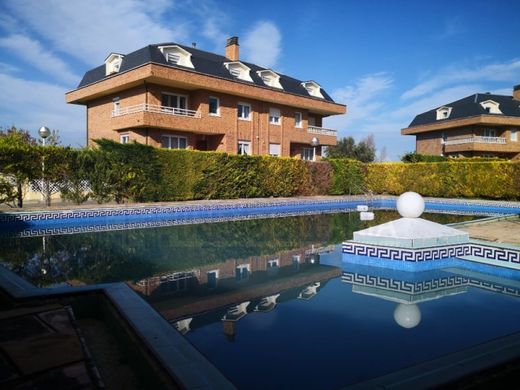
(443, 113)
(491, 107)
(178, 103)
(308, 154)
(274, 150)
(124, 138)
(244, 111)
(214, 106)
(274, 116)
(113, 63)
(212, 278)
(176, 55)
(116, 105)
(489, 133)
(270, 78)
(239, 70)
(298, 119)
(174, 142)
(273, 263)
(313, 88)
(244, 148)
(242, 272)
(514, 135)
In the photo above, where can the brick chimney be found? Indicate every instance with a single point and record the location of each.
(232, 49)
(516, 92)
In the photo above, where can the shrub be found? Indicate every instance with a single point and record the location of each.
(348, 177)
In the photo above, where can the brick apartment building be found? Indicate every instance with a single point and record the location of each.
(482, 124)
(174, 96)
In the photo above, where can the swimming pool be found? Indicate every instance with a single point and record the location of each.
(272, 303)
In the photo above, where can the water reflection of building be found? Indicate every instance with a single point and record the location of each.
(409, 289)
(256, 280)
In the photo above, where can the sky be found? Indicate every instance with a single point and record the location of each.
(386, 60)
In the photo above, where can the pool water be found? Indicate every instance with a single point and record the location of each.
(273, 303)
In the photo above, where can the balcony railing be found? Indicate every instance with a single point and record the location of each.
(476, 140)
(155, 109)
(321, 130)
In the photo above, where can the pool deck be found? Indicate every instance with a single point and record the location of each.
(169, 348)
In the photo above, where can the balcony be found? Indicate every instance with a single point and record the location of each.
(155, 109)
(321, 131)
(476, 140)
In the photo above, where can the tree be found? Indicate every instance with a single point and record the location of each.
(19, 162)
(346, 147)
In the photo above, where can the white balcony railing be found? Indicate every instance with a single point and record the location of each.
(156, 109)
(476, 140)
(321, 130)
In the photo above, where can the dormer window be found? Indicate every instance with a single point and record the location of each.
(176, 55)
(270, 78)
(443, 113)
(113, 63)
(239, 70)
(313, 88)
(491, 107)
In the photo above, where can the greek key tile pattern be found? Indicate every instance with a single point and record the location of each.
(505, 255)
(424, 286)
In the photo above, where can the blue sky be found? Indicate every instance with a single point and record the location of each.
(386, 60)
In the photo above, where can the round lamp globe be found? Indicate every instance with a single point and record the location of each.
(410, 205)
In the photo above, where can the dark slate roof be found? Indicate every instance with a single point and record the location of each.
(203, 62)
(470, 106)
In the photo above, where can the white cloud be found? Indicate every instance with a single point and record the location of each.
(38, 57)
(493, 72)
(364, 101)
(31, 104)
(262, 44)
(90, 30)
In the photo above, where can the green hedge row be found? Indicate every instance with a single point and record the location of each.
(140, 173)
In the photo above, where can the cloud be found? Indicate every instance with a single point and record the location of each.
(451, 27)
(90, 30)
(492, 72)
(364, 101)
(262, 44)
(38, 57)
(31, 104)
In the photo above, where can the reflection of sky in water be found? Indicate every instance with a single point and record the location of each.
(340, 337)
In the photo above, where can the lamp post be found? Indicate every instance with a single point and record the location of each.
(44, 132)
(314, 142)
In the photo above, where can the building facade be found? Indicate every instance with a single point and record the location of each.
(480, 125)
(179, 97)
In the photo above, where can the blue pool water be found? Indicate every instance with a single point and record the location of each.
(273, 303)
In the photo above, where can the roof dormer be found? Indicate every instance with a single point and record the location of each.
(113, 63)
(270, 78)
(491, 107)
(176, 55)
(239, 70)
(443, 112)
(313, 88)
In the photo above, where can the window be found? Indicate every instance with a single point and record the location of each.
(491, 107)
(308, 154)
(274, 150)
(175, 103)
(514, 135)
(244, 111)
(298, 119)
(274, 116)
(176, 55)
(239, 70)
(174, 142)
(117, 105)
(242, 272)
(244, 147)
(313, 88)
(489, 133)
(443, 113)
(212, 278)
(270, 78)
(214, 106)
(272, 263)
(124, 138)
(113, 63)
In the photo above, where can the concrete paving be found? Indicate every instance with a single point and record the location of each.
(505, 231)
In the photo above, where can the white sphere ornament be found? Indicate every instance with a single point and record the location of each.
(410, 205)
(407, 315)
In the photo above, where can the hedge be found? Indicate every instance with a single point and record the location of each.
(140, 173)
